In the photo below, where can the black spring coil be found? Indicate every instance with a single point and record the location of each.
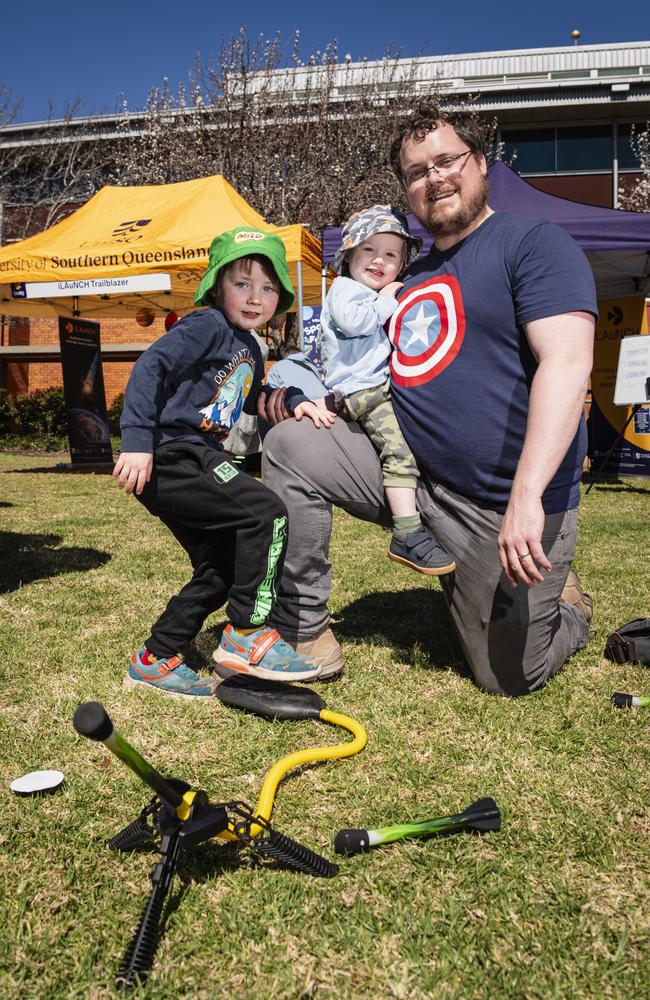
(288, 852)
(136, 833)
(140, 954)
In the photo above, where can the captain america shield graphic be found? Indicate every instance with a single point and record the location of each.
(426, 330)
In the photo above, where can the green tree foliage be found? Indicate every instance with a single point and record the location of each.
(42, 412)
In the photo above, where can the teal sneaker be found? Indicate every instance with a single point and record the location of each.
(261, 654)
(170, 675)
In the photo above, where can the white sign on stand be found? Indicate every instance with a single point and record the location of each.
(633, 372)
(121, 285)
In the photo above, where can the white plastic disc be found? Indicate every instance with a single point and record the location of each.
(37, 781)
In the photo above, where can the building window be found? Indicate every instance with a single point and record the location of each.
(619, 71)
(626, 158)
(563, 149)
(584, 148)
(530, 151)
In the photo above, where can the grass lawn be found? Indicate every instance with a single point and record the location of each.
(553, 906)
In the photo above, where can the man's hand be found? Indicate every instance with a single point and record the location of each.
(321, 416)
(273, 408)
(520, 541)
(132, 470)
(563, 347)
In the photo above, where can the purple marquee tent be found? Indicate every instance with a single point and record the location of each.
(617, 243)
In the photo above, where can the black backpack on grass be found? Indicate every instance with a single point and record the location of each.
(631, 643)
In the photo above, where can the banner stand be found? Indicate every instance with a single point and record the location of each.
(621, 365)
(632, 387)
(83, 388)
(593, 476)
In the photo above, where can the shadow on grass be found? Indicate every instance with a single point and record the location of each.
(67, 468)
(26, 558)
(610, 484)
(413, 622)
(604, 487)
(5, 503)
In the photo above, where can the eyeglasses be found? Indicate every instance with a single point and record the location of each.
(448, 165)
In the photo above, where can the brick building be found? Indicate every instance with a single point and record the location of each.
(564, 113)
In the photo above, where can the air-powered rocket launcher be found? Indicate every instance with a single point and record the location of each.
(183, 817)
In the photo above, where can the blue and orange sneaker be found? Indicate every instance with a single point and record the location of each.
(169, 675)
(262, 654)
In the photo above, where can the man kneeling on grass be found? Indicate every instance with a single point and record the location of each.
(492, 349)
(185, 394)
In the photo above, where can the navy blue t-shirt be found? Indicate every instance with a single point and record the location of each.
(461, 366)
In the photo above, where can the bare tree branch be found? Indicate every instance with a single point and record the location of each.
(635, 196)
(301, 142)
(43, 180)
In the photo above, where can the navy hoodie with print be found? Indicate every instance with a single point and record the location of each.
(193, 383)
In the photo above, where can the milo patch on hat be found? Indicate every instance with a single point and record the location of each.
(243, 242)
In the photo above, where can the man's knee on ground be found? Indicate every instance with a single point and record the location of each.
(506, 668)
(513, 687)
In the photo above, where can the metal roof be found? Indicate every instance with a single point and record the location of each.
(507, 79)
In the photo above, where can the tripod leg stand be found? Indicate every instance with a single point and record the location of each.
(594, 475)
(140, 953)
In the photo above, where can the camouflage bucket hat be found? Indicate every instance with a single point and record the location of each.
(378, 219)
(244, 242)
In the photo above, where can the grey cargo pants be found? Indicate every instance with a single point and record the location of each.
(514, 639)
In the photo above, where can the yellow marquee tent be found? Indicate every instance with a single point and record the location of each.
(143, 234)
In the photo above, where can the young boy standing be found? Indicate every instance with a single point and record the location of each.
(376, 247)
(184, 395)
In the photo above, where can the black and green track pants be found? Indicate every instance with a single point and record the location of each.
(234, 531)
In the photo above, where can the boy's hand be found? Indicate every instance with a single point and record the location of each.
(132, 470)
(392, 288)
(320, 416)
(272, 408)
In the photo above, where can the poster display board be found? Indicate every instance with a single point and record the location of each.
(83, 388)
(633, 374)
(310, 333)
(619, 320)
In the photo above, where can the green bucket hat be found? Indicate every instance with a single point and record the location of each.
(243, 242)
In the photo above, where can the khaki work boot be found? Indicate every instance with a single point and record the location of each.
(325, 652)
(574, 594)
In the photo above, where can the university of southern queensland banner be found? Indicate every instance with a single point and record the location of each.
(144, 232)
(83, 387)
(618, 318)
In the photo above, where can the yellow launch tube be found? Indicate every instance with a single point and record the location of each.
(291, 760)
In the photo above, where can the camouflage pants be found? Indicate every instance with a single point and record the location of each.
(373, 410)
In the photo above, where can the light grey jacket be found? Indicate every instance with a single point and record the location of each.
(354, 349)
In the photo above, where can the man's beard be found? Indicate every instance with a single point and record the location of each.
(448, 224)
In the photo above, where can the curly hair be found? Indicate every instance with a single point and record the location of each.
(426, 118)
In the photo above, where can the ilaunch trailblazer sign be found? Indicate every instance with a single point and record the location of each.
(91, 286)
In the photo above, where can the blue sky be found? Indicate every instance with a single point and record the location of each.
(58, 52)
